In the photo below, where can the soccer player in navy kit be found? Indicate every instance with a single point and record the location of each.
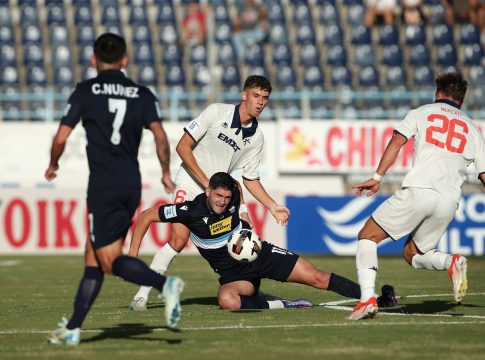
(211, 218)
(114, 110)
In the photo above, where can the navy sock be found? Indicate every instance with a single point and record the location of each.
(343, 286)
(86, 294)
(253, 302)
(136, 271)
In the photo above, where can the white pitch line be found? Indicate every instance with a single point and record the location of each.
(250, 327)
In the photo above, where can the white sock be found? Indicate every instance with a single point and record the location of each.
(432, 260)
(276, 304)
(160, 263)
(366, 262)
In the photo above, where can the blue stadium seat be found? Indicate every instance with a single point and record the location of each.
(446, 55)
(231, 78)
(324, 2)
(337, 55)
(198, 54)
(144, 54)
(477, 75)
(388, 35)
(276, 13)
(395, 77)
(166, 14)
(341, 76)
(361, 35)
(285, 78)
(147, 75)
(7, 55)
(302, 14)
(138, 16)
(36, 75)
(469, 34)
(31, 34)
(61, 55)
(55, 2)
(168, 34)
(313, 78)
(364, 55)
(423, 76)
(226, 54)
(113, 28)
(258, 70)
(85, 54)
(5, 14)
(309, 55)
(333, 35)
(355, 16)
(368, 77)
(353, 2)
(172, 54)
(221, 13)
(223, 32)
(391, 55)
(83, 14)
(305, 33)
(278, 34)
(472, 54)
(85, 34)
(442, 34)
(415, 34)
(254, 55)
(329, 15)
(477, 98)
(419, 55)
(33, 54)
(141, 34)
(58, 34)
(89, 72)
(56, 14)
(110, 15)
(63, 76)
(29, 14)
(6, 34)
(174, 75)
(202, 76)
(282, 54)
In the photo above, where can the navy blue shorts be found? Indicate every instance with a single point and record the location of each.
(110, 212)
(273, 263)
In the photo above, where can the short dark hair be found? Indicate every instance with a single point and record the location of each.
(452, 84)
(257, 82)
(222, 180)
(109, 48)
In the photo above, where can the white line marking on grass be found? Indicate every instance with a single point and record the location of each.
(250, 327)
(10, 262)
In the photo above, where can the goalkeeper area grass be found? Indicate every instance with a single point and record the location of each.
(36, 291)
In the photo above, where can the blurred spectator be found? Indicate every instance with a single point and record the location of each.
(250, 25)
(449, 11)
(193, 25)
(380, 10)
(412, 12)
(475, 13)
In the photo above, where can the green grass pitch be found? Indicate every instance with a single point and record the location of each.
(37, 290)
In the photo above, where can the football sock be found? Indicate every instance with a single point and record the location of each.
(343, 286)
(160, 263)
(432, 260)
(253, 302)
(136, 271)
(366, 262)
(87, 292)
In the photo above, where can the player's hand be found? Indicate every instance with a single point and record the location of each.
(50, 173)
(245, 216)
(281, 214)
(371, 186)
(168, 184)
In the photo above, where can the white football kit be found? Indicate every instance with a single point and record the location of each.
(221, 144)
(445, 142)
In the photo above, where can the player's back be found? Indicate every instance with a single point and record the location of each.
(446, 142)
(114, 112)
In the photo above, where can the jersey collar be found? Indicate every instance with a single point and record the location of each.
(112, 74)
(236, 124)
(449, 102)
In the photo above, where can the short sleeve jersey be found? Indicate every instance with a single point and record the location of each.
(445, 142)
(207, 229)
(114, 110)
(223, 145)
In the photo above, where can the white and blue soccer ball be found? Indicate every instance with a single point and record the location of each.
(244, 245)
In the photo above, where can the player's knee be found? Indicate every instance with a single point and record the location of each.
(407, 254)
(229, 301)
(321, 279)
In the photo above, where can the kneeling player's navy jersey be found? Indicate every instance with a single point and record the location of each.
(114, 110)
(207, 229)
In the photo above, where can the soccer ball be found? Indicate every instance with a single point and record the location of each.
(244, 245)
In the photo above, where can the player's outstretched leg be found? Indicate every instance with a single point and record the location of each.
(457, 272)
(64, 336)
(171, 295)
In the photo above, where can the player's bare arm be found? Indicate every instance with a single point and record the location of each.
(57, 149)
(184, 150)
(280, 213)
(482, 178)
(142, 225)
(391, 152)
(243, 209)
(163, 153)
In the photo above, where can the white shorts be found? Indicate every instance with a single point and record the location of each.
(186, 188)
(423, 213)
